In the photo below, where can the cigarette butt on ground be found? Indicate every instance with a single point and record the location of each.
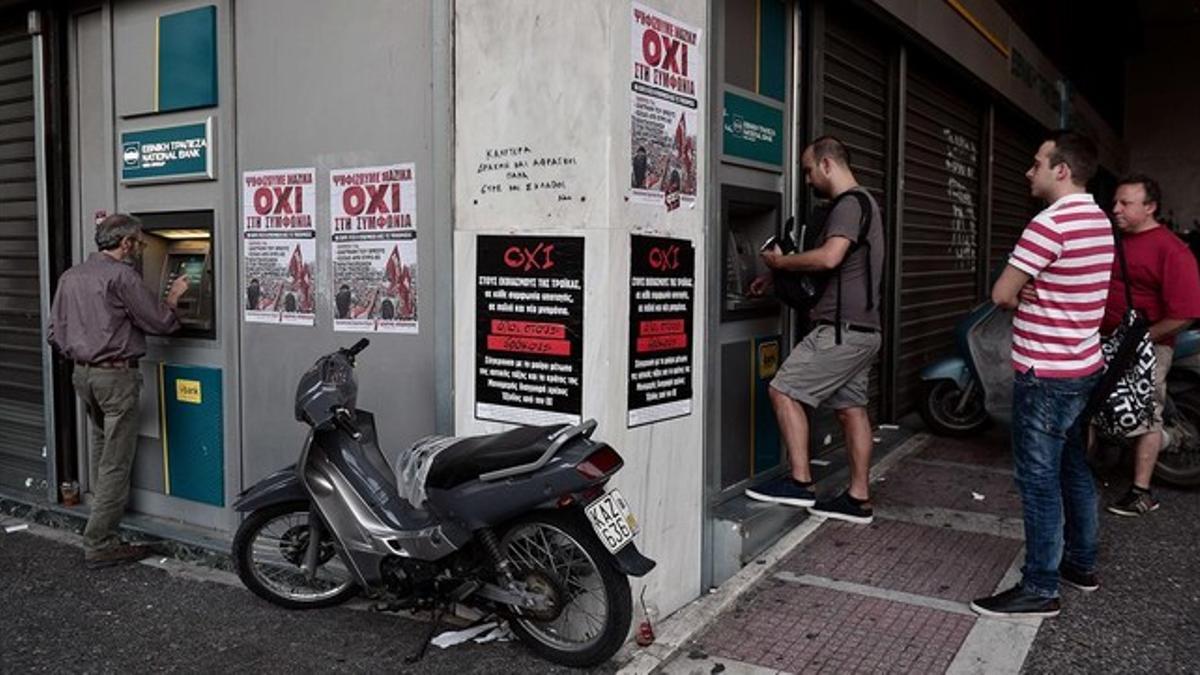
(16, 528)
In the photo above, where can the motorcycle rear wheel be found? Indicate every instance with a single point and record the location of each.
(938, 409)
(268, 550)
(596, 604)
(1180, 465)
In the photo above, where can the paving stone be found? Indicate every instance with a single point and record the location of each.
(991, 449)
(930, 561)
(919, 484)
(805, 629)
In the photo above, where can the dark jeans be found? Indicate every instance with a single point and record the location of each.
(1057, 490)
(110, 396)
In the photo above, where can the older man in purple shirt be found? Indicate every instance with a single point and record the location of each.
(100, 316)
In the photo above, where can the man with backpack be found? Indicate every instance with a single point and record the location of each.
(832, 363)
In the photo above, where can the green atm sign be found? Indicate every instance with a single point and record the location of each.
(166, 154)
(752, 130)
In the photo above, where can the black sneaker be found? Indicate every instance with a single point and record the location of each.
(1072, 577)
(1016, 603)
(844, 507)
(783, 490)
(1134, 503)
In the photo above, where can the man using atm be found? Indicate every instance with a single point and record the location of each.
(99, 319)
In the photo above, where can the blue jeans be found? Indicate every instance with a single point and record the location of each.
(1056, 486)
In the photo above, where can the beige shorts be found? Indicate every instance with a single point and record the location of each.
(1163, 356)
(820, 371)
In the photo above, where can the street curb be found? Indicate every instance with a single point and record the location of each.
(677, 630)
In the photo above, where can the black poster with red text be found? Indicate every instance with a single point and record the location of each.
(529, 329)
(662, 277)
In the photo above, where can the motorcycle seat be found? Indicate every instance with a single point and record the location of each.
(469, 458)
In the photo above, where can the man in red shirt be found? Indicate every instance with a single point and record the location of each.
(1166, 288)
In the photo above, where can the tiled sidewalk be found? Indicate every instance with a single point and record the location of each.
(888, 597)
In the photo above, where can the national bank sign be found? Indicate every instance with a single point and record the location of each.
(168, 154)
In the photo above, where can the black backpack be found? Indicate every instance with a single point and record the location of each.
(802, 290)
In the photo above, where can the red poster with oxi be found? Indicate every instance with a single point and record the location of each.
(529, 329)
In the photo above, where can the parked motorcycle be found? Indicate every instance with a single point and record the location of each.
(965, 392)
(518, 523)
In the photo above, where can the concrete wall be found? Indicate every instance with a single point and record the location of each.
(332, 86)
(555, 76)
(1160, 123)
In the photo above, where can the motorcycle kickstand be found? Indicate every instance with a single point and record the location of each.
(438, 609)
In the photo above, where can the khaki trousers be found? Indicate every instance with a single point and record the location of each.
(111, 397)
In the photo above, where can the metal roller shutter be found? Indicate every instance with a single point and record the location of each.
(22, 430)
(855, 109)
(939, 232)
(1014, 143)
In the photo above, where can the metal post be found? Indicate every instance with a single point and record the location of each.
(49, 449)
(890, 369)
(984, 243)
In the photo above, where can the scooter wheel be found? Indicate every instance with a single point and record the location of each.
(1179, 465)
(268, 551)
(595, 607)
(940, 411)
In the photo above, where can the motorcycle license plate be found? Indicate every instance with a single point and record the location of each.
(612, 520)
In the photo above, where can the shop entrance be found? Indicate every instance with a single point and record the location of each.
(23, 455)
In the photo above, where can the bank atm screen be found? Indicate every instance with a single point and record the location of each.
(195, 306)
(190, 265)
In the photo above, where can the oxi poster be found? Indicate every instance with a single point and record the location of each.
(279, 246)
(668, 66)
(529, 329)
(662, 276)
(373, 221)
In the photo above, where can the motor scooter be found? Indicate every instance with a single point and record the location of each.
(963, 393)
(519, 523)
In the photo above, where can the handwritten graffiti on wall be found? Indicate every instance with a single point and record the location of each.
(961, 162)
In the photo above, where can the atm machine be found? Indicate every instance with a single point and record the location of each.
(180, 243)
(181, 450)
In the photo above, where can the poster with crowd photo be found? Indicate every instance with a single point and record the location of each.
(662, 276)
(373, 222)
(279, 246)
(665, 87)
(529, 329)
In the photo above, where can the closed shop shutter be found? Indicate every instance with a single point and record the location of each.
(1014, 143)
(939, 229)
(855, 109)
(22, 433)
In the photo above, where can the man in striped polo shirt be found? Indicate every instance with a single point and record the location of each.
(1065, 255)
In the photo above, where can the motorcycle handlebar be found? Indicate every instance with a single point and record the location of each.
(357, 347)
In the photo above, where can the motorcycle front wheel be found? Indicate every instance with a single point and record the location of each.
(268, 552)
(941, 412)
(557, 553)
(1179, 462)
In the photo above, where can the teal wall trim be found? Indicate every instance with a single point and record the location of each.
(772, 49)
(187, 59)
(766, 430)
(194, 431)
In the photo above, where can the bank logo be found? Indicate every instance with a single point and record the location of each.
(131, 153)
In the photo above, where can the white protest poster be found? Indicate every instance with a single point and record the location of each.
(373, 221)
(667, 64)
(279, 246)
